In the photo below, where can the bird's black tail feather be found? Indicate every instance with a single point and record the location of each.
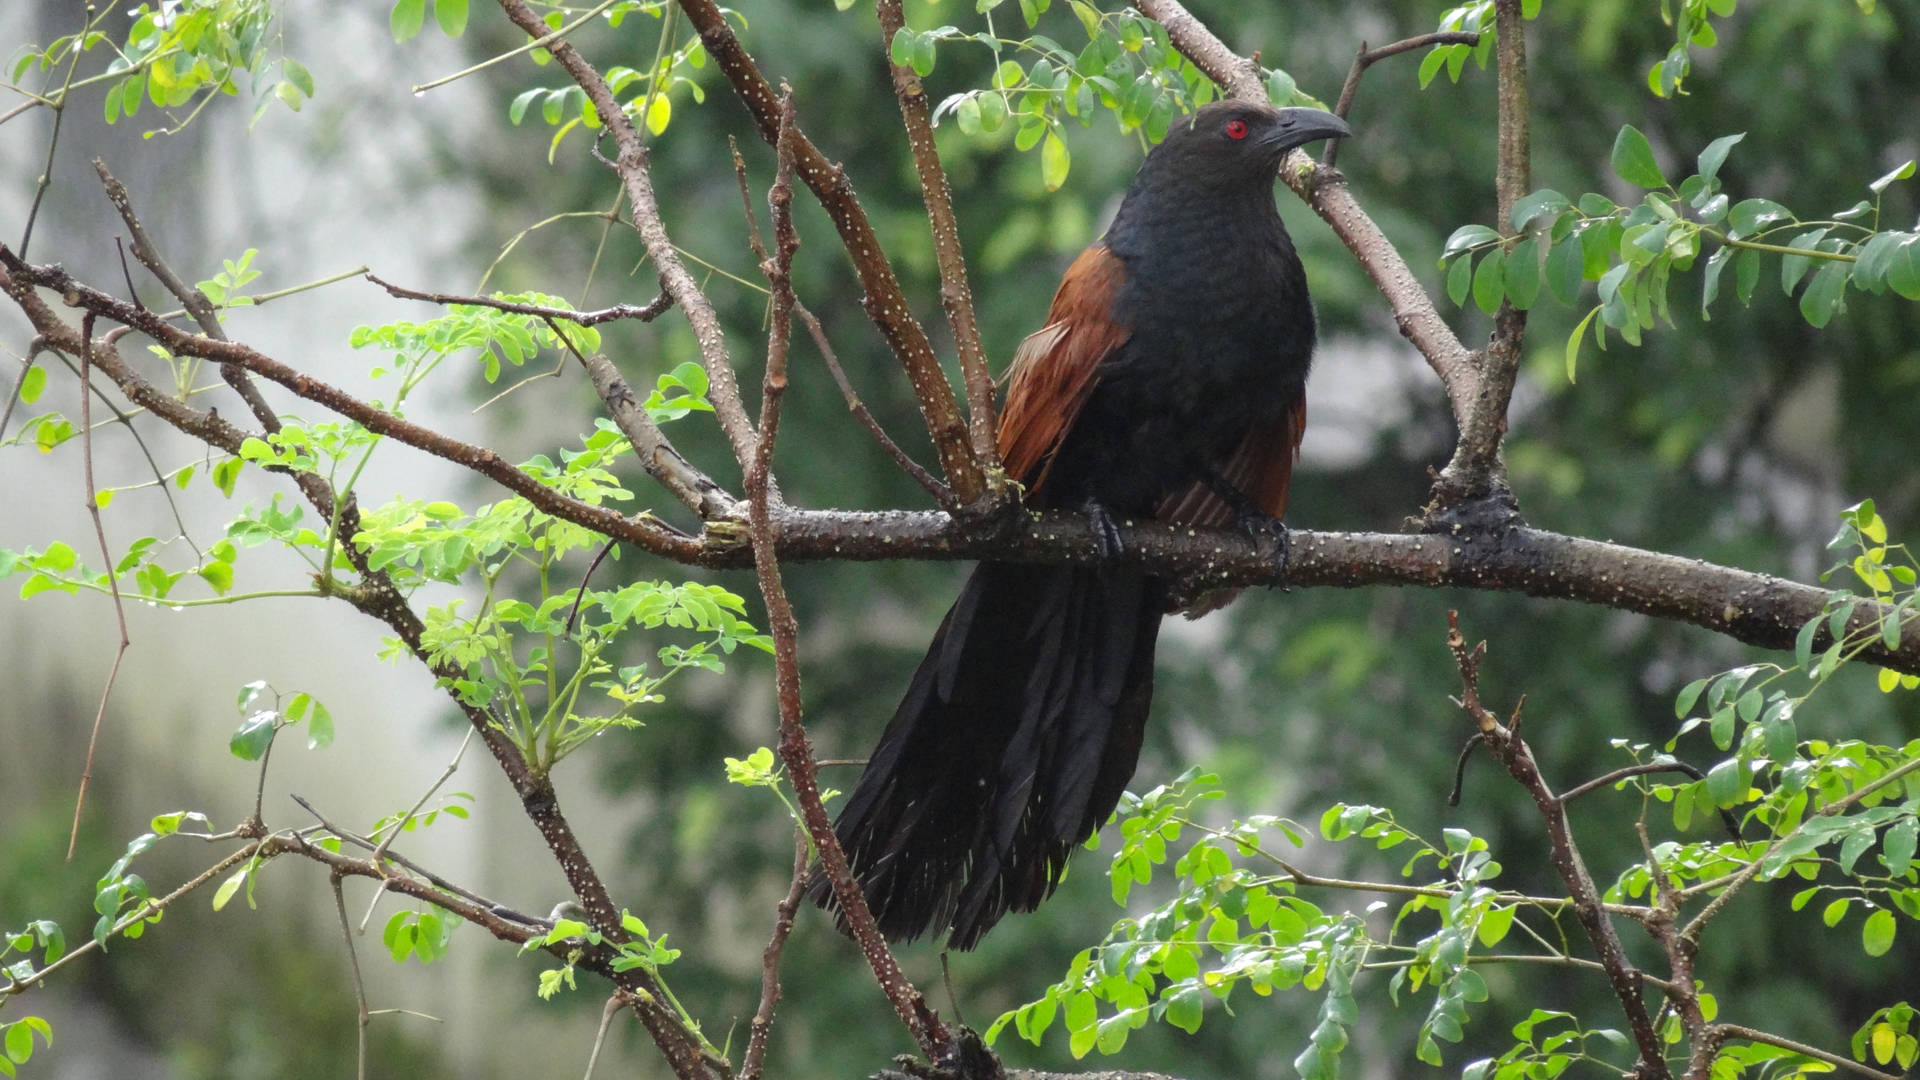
(1016, 737)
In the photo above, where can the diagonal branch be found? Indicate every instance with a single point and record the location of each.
(636, 179)
(955, 296)
(1563, 853)
(885, 304)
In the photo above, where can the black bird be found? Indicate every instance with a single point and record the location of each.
(1168, 383)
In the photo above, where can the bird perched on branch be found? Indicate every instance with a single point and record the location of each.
(1168, 383)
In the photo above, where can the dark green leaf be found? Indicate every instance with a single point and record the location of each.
(1468, 236)
(1716, 153)
(1794, 267)
(1749, 216)
(1489, 281)
(1523, 273)
(1460, 279)
(1727, 783)
(1544, 201)
(1824, 295)
(1633, 159)
(1903, 267)
(1565, 265)
(251, 739)
(1746, 274)
(1710, 281)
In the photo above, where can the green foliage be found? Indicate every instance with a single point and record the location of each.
(179, 53)
(647, 93)
(257, 731)
(1633, 251)
(422, 934)
(16, 1038)
(1127, 67)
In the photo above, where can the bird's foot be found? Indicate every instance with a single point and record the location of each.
(1106, 531)
(1254, 520)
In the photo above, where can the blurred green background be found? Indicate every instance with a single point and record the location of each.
(1735, 440)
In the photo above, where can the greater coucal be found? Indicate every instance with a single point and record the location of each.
(1168, 383)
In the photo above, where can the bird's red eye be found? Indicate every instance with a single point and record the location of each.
(1236, 129)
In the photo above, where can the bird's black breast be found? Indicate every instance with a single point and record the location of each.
(1221, 337)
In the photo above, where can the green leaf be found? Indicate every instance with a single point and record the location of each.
(1710, 281)
(1523, 273)
(1727, 783)
(451, 15)
(1573, 342)
(1794, 267)
(32, 384)
(1633, 159)
(1544, 201)
(1566, 268)
(297, 74)
(1689, 694)
(659, 113)
(230, 886)
(1716, 153)
(1903, 267)
(1431, 64)
(1749, 216)
(251, 739)
(1468, 236)
(1897, 847)
(1054, 161)
(1900, 173)
(1824, 296)
(1460, 279)
(900, 50)
(1876, 937)
(1490, 281)
(1746, 274)
(406, 19)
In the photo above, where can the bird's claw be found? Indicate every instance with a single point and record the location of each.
(1106, 531)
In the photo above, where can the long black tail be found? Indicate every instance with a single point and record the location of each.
(1015, 739)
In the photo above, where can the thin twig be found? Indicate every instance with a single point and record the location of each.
(359, 985)
(652, 310)
(1735, 1031)
(1366, 58)
(942, 495)
(795, 749)
(615, 1002)
(106, 558)
(192, 299)
(754, 1061)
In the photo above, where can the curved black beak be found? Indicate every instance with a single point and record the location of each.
(1298, 127)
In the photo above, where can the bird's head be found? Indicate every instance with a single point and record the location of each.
(1237, 141)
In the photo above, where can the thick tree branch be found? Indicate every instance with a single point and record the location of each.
(1487, 552)
(885, 304)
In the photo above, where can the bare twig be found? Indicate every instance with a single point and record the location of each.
(1563, 853)
(359, 985)
(615, 1002)
(192, 299)
(652, 310)
(107, 560)
(942, 495)
(752, 1063)
(1366, 58)
(636, 179)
